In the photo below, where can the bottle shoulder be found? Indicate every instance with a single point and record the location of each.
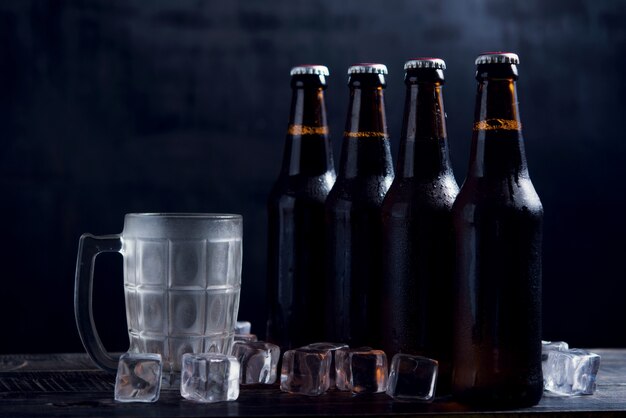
(410, 195)
(364, 191)
(513, 193)
(416, 190)
(299, 187)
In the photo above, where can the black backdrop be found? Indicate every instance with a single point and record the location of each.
(109, 107)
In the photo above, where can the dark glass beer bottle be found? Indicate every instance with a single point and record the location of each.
(418, 236)
(354, 275)
(296, 244)
(498, 222)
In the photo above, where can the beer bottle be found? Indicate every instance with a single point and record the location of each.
(497, 220)
(353, 207)
(296, 244)
(418, 236)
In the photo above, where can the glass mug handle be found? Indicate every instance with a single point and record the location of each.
(89, 246)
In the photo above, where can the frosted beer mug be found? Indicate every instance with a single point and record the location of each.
(182, 279)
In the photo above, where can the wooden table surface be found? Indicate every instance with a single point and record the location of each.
(69, 385)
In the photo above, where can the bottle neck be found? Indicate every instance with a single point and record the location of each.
(423, 143)
(497, 143)
(365, 149)
(307, 147)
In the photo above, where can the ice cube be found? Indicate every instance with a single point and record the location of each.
(369, 371)
(552, 345)
(332, 349)
(138, 377)
(246, 337)
(343, 371)
(257, 360)
(209, 377)
(570, 372)
(242, 327)
(305, 371)
(412, 378)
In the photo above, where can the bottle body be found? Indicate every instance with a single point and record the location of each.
(296, 238)
(354, 231)
(353, 212)
(498, 323)
(498, 228)
(296, 254)
(418, 235)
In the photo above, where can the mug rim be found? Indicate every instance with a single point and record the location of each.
(184, 215)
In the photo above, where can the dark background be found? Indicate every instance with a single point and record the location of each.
(109, 107)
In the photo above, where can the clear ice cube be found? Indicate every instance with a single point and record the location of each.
(305, 371)
(412, 378)
(246, 337)
(138, 377)
(369, 371)
(209, 377)
(243, 327)
(570, 372)
(332, 348)
(343, 366)
(552, 345)
(258, 361)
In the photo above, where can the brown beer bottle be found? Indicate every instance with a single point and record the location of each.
(354, 231)
(296, 239)
(418, 236)
(498, 223)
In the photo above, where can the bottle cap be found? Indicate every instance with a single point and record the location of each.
(435, 63)
(497, 58)
(366, 68)
(310, 69)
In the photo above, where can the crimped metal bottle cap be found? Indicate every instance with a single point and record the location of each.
(310, 69)
(497, 58)
(366, 68)
(435, 63)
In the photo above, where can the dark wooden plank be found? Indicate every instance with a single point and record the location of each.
(43, 362)
(55, 382)
(69, 386)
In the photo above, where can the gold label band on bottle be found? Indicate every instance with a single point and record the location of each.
(365, 134)
(498, 124)
(307, 130)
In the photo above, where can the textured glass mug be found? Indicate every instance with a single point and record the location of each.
(182, 279)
